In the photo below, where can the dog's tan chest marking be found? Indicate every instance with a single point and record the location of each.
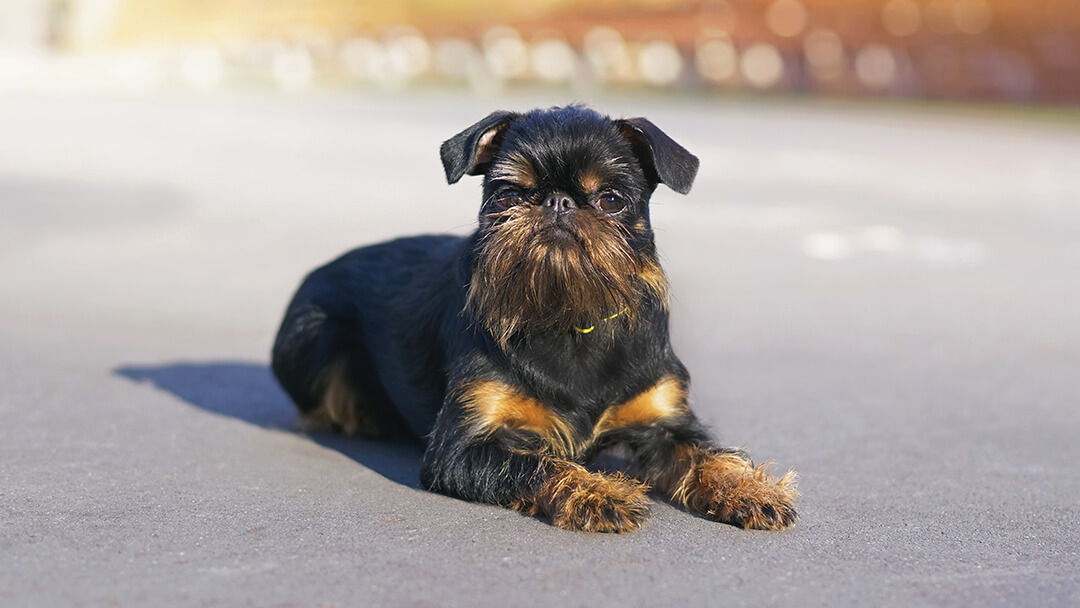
(492, 406)
(666, 399)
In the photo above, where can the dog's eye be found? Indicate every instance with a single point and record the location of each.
(510, 197)
(610, 203)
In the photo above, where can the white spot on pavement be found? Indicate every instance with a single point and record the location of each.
(827, 246)
(885, 239)
(941, 251)
(892, 243)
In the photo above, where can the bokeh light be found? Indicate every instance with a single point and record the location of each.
(824, 53)
(660, 63)
(786, 18)
(762, 65)
(1008, 50)
(455, 57)
(876, 66)
(506, 53)
(408, 54)
(717, 59)
(901, 17)
(972, 16)
(607, 54)
(552, 59)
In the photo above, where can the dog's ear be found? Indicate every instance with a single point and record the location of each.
(471, 150)
(664, 161)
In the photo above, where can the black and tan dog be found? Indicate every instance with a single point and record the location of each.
(519, 353)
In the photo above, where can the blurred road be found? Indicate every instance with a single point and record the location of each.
(888, 302)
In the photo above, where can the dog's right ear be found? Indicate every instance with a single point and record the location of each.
(663, 160)
(471, 150)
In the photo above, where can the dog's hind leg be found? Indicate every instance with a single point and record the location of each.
(321, 364)
(341, 405)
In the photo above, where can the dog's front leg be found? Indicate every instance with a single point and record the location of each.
(671, 451)
(494, 445)
(725, 485)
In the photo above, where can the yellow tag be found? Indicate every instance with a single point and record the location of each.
(588, 329)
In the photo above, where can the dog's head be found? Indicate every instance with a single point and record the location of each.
(565, 238)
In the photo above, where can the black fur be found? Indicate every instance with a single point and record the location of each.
(398, 314)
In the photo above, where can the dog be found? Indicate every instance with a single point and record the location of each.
(520, 354)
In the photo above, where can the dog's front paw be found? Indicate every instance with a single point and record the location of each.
(757, 500)
(576, 499)
(727, 488)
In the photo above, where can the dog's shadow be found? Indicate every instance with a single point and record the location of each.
(248, 392)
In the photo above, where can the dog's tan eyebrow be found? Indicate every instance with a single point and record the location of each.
(514, 168)
(592, 177)
(492, 406)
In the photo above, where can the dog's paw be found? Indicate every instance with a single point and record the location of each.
(576, 499)
(607, 504)
(729, 489)
(757, 501)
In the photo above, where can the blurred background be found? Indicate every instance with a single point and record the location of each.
(986, 50)
(181, 158)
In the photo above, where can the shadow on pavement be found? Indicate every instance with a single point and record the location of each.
(248, 391)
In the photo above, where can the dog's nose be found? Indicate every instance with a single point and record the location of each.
(559, 202)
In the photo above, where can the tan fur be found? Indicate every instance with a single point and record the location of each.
(515, 169)
(491, 406)
(653, 277)
(486, 146)
(526, 280)
(728, 488)
(666, 399)
(317, 421)
(576, 499)
(591, 179)
(341, 406)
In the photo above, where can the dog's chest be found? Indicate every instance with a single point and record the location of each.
(584, 375)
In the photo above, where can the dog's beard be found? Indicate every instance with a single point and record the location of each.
(532, 275)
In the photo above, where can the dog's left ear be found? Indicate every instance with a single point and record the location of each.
(664, 161)
(471, 150)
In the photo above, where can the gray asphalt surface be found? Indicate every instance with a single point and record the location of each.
(888, 302)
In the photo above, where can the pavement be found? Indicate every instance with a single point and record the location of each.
(884, 299)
